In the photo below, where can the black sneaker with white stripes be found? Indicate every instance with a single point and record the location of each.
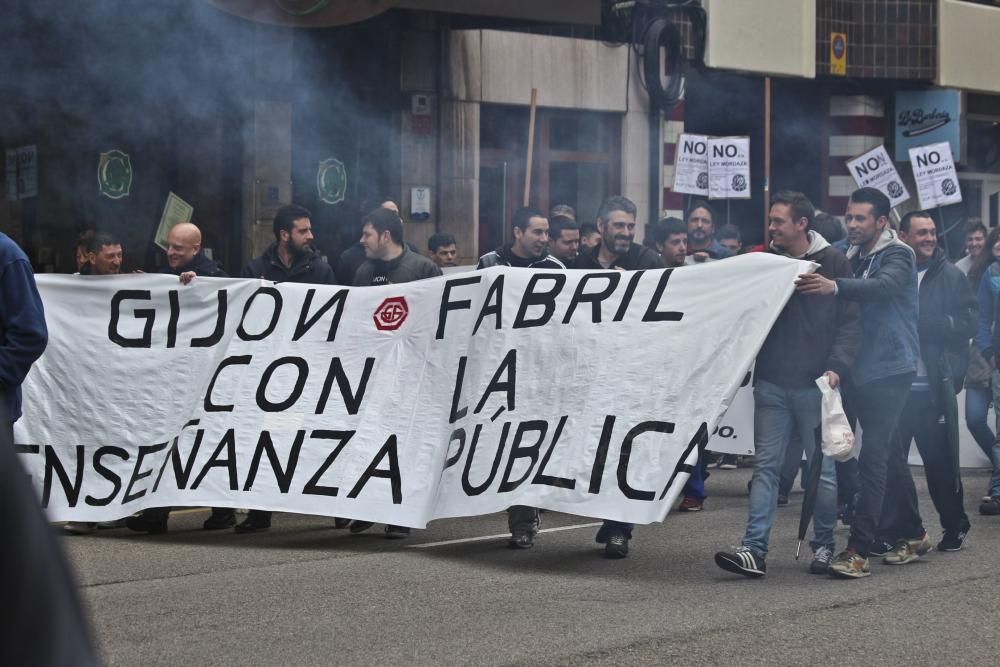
(742, 561)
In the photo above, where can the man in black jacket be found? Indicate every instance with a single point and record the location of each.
(388, 260)
(530, 247)
(813, 336)
(185, 260)
(291, 257)
(947, 319)
(617, 249)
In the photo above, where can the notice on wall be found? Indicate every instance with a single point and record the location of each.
(729, 168)
(934, 172)
(10, 174)
(874, 169)
(691, 165)
(21, 172)
(175, 211)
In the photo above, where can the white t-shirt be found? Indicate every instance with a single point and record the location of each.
(964, 264)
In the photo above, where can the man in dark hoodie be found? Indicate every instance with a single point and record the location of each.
(617, 249)
(530, 247)
(185, 260)
(289, 259)
(948, 317)
(885, 286)
(813, 336)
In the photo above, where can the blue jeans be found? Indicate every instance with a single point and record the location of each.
(780, 414)
(995, 458)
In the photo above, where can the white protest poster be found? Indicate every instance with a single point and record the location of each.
(729, 168)
(454, 396)
(874, 169)
(175, 211)
(691, 165)
(734, 434)
(934, 172)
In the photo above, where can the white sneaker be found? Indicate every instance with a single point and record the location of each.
(79, 527)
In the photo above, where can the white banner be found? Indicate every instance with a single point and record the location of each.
(874, 169)
(934, 172)
(691, 165)
(581, 392)
(729, 168)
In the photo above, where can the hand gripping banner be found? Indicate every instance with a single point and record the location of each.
(581, 392)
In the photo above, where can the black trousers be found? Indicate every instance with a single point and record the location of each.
(879, 404)
(924, 423)
(44, 623)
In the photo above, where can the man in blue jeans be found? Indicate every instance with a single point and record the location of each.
(814, 335)
(885, 286)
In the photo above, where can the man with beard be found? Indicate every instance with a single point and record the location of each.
(617, 248)
(389, 261)
(530, 247)
(185, 260)
(289, 259)
(702, 245)
(948, 316)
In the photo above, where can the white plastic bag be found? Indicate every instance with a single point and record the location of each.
(838, 439)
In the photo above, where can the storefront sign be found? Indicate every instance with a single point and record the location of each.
(874, 169)
(838, 53)
(331, 181)
(926, 117)
(114, 174)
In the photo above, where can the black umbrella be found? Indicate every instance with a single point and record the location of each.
(812, 487)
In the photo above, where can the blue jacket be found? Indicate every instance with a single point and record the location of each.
(22, 323)
(885, 284)
(986, 295)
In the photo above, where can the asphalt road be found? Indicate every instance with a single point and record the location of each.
(306, 594)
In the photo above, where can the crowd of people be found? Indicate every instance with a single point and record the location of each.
(886, 318)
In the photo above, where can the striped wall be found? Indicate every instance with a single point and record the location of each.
(857, 124)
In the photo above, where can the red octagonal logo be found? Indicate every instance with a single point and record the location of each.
(391, 314)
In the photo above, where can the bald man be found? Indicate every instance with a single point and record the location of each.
(184, 259)
(184, 256)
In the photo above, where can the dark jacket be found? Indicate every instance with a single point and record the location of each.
(988, 334)
(409, 266)
(201, 265)
(502, 256)
(307, 268)
(948, 318)
(715, 250)
(638, 258)
(23, 334)
(885, 284)
(813, 334)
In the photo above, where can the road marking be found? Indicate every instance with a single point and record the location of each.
(484, 538)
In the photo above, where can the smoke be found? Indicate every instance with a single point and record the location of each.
(173, 83)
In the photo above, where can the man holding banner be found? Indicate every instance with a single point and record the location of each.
(814, 335)
(885, 286)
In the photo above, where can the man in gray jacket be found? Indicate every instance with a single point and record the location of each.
(388, 260)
